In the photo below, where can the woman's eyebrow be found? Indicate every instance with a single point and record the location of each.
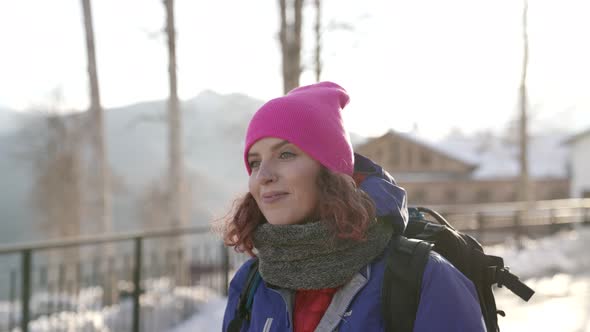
(279, 145)
(273, 148)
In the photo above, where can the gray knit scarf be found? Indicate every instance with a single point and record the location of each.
(309, 256)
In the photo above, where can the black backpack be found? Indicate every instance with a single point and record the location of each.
(401, 286)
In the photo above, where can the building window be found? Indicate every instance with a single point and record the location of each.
(483, 196)
(393, 160)
(409, 156)
(395, 154)
(512, 197)
(451, 196)
(425, 158)
(419, 196)
(557, 194)
(379, 154)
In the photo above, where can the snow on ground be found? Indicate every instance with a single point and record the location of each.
(561, 303)
(163, 306)
(556, 267)
(209, 318)
(565, 252)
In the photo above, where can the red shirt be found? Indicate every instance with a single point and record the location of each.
(310, 306)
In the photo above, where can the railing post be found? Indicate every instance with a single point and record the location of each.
(11, 320)
(60, 286)
(112, 296)
(553, 226)
(225, 268)
(586, 216)
(181, 267)
(480, 225)
(517, 228)
(136, 284)
(25, 289)
(78, 276)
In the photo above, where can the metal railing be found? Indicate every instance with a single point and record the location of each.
(492, 222)
(188, 262)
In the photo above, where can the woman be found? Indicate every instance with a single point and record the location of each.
(309, 218)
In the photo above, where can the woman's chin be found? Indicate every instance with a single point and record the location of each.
(278, 221)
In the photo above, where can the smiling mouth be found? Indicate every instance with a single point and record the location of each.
(273, 197)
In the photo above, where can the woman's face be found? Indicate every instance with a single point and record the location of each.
(283, 181)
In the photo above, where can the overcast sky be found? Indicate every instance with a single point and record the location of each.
(437, 64)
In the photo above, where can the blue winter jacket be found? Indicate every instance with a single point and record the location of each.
(448, 300)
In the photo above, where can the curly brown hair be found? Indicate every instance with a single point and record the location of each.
(347, 209)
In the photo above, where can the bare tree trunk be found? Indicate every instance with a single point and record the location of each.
(176, 166)
(283, 39)
(290, 39)
(318, 40)
(174, 125)
(524, 183)
(104, 211)
(98, 135)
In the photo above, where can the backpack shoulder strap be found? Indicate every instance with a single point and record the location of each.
(244, 308)
(402, 281)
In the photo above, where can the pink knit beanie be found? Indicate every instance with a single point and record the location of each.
(309, 117)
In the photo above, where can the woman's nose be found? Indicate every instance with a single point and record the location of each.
(266, 173)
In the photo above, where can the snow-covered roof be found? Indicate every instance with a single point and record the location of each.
(418, 141)
(492, 156)
(435, 147)
(548, 157)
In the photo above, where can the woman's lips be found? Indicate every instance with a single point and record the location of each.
(272, 197)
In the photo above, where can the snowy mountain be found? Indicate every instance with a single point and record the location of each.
(214, 126)
(9, 120)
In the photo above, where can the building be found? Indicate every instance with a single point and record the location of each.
(580, 164)
(462, 171)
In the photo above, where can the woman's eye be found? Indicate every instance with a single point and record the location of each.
(254, 163)
(286, 155)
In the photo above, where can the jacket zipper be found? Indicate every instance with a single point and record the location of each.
(267, 325)
(289, 320)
